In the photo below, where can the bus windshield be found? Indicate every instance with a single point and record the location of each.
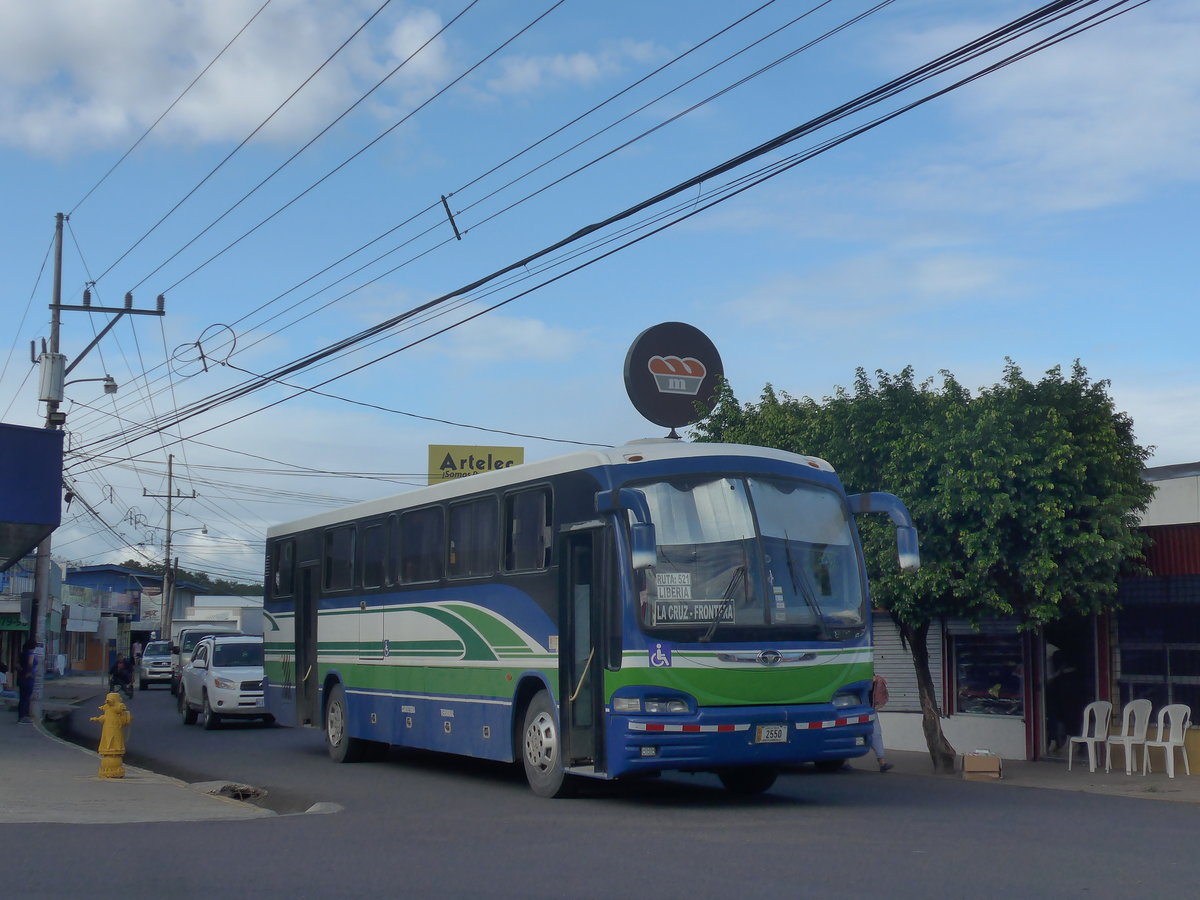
(749, 559)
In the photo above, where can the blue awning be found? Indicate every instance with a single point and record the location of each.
(30, 488)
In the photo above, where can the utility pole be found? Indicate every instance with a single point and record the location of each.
(53, 374)
(168, 594)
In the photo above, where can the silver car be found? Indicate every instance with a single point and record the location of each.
(155, 665)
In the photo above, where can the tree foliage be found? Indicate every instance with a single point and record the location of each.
(1025, 495)
(218, 586)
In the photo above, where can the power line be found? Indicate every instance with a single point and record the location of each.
(308, 144)
(529, 172)
(363, 149)
(245, 140)
(972, 50)
(174, 102)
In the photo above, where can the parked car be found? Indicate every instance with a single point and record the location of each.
(155, 665)
(186, 642)
(224, 680)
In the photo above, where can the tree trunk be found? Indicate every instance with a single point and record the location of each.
(940, 751)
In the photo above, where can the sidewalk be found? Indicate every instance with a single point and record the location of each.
(1053, 775)
(46, 779)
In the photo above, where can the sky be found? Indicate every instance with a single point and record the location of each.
(281, 172)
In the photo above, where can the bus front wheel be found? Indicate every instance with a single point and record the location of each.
(342, 747)
(751, 780)
(541, 749)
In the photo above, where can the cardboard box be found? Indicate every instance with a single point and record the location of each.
(982, 767)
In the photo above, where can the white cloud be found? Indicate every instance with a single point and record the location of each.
(525, 74)
(82, 75)
(493, 338)
(1097, 120)
(864, 290)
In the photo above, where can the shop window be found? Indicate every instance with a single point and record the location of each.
(988, 676)
(1159, 654)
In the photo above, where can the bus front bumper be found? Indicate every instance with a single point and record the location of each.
(736, 736)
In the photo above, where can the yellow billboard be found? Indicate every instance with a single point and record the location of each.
(447, 461)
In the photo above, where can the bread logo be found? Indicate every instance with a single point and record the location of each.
(677, 376)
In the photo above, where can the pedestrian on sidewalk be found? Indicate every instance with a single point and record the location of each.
(26, 669)
(879, 699)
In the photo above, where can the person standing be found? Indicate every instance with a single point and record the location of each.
(879, 699)
(26, 670)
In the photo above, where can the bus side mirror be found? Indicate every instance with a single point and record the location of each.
(906, 535)
(643, 544)
(906, 545)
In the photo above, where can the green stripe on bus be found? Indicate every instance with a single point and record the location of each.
(498, 633)
(735, 687)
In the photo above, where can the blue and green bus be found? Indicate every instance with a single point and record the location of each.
(661, 606)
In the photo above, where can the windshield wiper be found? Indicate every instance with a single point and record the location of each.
(738, 579)
(801, 587)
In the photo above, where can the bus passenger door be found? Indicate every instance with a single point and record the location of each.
(582, 598)
(307, 704)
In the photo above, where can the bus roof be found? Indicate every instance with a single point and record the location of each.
(648, 450)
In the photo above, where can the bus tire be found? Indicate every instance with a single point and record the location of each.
(541, 749)
(830, 765)
(750, 780)
(342, 747)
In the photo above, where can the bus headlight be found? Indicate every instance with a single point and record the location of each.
(666, 706)
(627, 704)
(844, 699)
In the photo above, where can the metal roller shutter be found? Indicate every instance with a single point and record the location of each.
(894, 662)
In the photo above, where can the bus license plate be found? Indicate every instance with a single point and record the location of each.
(770, 734)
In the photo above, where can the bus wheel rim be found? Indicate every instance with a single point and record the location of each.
(541, 742)
(337, 725)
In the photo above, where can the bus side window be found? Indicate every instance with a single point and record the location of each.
(339, 558)
(527, 529)
(285, 555)
(422, 545)
(473, 538)
(373, 556)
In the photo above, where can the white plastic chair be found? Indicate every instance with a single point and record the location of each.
(1096, 717)
(1135, 720)
(1173, 721)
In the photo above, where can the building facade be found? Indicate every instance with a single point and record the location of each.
(1022, 695)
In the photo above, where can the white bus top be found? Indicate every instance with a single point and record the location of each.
(634, 452)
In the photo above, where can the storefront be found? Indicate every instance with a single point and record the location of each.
(1022, 695)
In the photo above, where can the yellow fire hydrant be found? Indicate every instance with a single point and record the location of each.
(116, 716)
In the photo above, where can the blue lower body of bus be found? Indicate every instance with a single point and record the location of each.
(727, 737)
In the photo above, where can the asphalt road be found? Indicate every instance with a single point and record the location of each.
(418, 825)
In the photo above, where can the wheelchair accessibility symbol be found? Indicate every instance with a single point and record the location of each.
(660, 658)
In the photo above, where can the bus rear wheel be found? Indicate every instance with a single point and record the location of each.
(342, 747)
(541, 749)
(751, 780)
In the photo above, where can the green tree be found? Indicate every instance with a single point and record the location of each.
(219, 586)
(1025, 494)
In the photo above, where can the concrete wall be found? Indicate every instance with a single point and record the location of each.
(1176, 502)
(1003, 735)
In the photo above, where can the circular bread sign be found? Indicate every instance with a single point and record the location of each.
(669, 369)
